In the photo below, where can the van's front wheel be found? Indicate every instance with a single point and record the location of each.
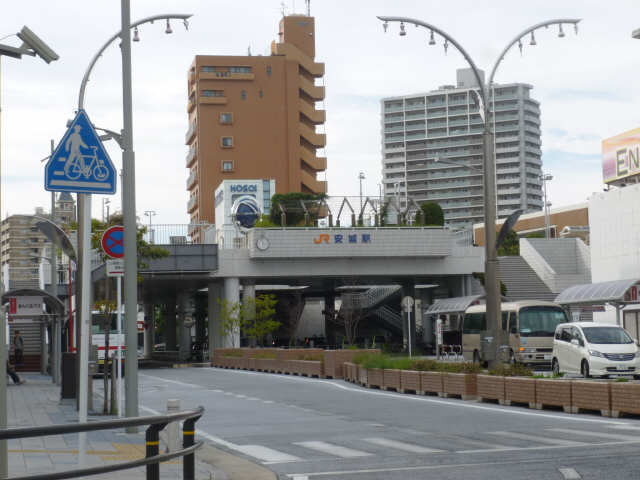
(555, 367)
(584, 369)
(476, 358)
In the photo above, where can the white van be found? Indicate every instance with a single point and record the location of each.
(591, 348)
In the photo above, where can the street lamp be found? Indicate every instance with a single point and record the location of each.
(545, 177)
(31, 45)
(361, 177)
(125, 140)
(493, 341)
(105, 202)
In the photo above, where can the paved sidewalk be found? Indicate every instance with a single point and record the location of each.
(37, 402)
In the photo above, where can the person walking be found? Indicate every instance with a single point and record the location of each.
(18, 348)
(12, 373)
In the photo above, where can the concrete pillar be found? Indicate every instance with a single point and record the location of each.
(170, 325)
(149, 329)
(248, 293)
(329, 316)
(44, 349)
(57, 345)
(232, 295)
(214, 297)
(185, 316)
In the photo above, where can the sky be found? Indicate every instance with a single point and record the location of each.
(585, 83)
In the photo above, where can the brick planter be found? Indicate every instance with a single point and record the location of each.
(410, 382)
(553, 393)
(491, 387)
(431, 383)
(520, 390)
(306, 368)
(334, 360)
(391, 380)
(251, 363)
(374, 377)
(347, 375)
(591, 395)
(463, 385)
(625, 398)
(361, 373)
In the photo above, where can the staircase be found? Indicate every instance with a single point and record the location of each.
(372, 303)
(521, 281)
(389, 318)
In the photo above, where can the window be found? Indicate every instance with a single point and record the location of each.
(226, 118)
(227, 142)
(240, 69)
(260, 93)
(208, 69)
(212, 93)
(475, 323)
(268, 69)
(227, 166)
(243, 95)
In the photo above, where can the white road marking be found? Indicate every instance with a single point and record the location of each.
(331, 449)
(611, 436)
(414, 398)
(569, 474)
(150, 410)
(407, 447)
(535, 438)
(267, 455)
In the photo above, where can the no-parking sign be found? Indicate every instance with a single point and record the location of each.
(113, 241)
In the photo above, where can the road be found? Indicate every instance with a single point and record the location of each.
(304, 429)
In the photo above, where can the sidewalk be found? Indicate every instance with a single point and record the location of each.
(37, 402)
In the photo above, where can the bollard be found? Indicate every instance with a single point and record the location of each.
(188, 463)
(152, 438)
(173, 442)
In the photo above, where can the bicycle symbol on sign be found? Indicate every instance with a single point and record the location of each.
(76, 164)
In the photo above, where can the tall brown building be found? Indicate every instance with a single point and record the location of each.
(255, 117)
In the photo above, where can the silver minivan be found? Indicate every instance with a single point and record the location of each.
(596, 349)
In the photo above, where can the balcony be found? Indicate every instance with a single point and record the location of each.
(190, 133)
(192, 204)
(316, 163)
(318, 140)
(310, 182)
(192, 179)
(191, 156)
(191, 104)
(226, 76)
(394, 109)
(293, 53)
(315, 116)
(315, 92)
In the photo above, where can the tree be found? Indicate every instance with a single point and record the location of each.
(510, 246)
(432, 214)
(294, 213)
(106, 308)
(253, 317)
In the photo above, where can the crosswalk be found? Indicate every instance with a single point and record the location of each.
(430, 444)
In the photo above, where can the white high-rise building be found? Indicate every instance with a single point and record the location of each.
(444, 125)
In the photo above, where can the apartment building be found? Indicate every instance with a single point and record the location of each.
(253, 117)
(432, 149)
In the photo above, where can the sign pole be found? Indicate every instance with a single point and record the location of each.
(409, 328)
(119, 303)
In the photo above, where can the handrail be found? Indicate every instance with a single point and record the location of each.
(152, 459)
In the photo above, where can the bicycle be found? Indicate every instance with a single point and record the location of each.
(75, 167)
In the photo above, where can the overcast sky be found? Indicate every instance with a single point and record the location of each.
(587, 84)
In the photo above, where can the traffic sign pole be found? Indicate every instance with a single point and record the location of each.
(84, 324)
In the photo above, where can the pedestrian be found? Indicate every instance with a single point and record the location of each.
(12, 373)
(18, 348)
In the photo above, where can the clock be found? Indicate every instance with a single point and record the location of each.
(262, 243)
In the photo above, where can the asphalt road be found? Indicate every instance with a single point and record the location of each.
(304, 428)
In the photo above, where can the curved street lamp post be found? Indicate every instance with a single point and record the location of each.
(125, 141)
(494, 341)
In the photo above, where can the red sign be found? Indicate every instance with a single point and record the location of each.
(113, 242)
(631, 295)
(13, 306)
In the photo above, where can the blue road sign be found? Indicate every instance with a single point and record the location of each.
(80, 163)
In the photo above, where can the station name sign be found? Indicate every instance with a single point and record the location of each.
(243, 188)
(338, 238)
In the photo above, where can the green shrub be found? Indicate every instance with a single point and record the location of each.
(311, 357)
(383, 361)
(515, 370)
(622, 379)
(263, 354)
(233, 353)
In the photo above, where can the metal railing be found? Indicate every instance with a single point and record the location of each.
(151, 461)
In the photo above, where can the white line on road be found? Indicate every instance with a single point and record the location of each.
(331, 449)
(569, 474)
(612, 436)
(535, 438)
(407, 447)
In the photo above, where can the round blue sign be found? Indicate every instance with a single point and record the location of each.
(113, 241)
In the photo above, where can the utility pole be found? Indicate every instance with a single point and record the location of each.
(360, 177)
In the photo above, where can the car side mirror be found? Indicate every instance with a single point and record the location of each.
(575, 341)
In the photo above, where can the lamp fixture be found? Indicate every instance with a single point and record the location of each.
(560, 31)
(446, 45)
(533, 40)
(385, 26)
(168, 29)
(402, 30)
(136, 35)
(432, 40)
(520, 46)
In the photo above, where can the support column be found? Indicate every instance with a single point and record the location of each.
(57, 346)
(249, 292)
(214, 296)
(149, 329)
(170, 325)
(329, 316)
(185, 313)
(44, 349)
(232, 295)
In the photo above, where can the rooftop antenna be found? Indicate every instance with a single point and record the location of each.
(283, 9)
(308, 2)
(249, 50)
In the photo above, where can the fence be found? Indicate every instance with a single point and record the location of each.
(152, 437)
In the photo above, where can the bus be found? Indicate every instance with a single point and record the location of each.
(98, 335)
(530, 326)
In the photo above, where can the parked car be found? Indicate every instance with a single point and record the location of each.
(594, 349)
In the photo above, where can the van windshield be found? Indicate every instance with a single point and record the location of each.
(540, 321)
(606, 335)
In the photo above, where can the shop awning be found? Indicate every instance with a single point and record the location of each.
(452, 305)
(614, 292)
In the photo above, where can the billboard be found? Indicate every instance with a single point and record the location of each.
(621, 156)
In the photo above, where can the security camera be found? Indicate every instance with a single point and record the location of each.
(34, 42)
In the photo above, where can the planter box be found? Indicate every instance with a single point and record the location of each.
(520, 390)
(391, 380)
(374, 377)
(306, 367)
(251, 363)
(266, 364)
(463, 385)
(346, 367)
(591, 395)
(410, 382)
(553, 392)
(625, 398)
(361, 373)
(491, 387)
(432, 382)
(334, 360)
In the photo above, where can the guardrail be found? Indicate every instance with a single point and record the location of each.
(151, 461)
